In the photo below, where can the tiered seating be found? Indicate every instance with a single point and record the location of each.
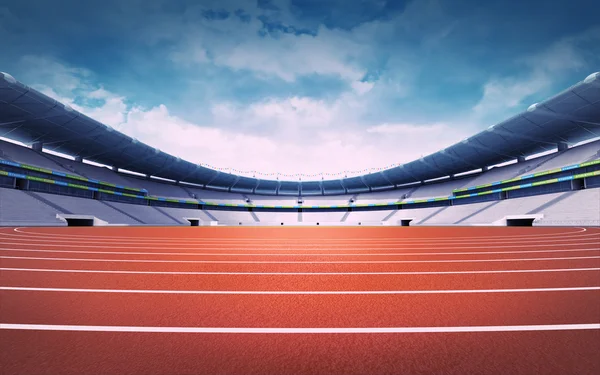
(571, 156)
(17, 208)
(26, 155)
(84, 206)
(440, 189)
(418, 214)
(326, 201)
(369, 216)
(233, 217)
(180, 213)
(104, 174)
(216, 196)
(273, 201)
(277, 217)
(517, 206)
(146, 214)
(322, 217)
(157, 188)
(452, 215)
(577, 208)
(382, 197)
(504, 173)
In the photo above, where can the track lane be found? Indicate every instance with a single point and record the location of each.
(299, 234)
(133, 309)
(300, 282)
(521, 353)
(119, 254)
(301, 267)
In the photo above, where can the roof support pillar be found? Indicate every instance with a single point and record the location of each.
(115, 169)
(485, 169)
(79, 159)
(562, 146)
(520, 159)
(37, 146)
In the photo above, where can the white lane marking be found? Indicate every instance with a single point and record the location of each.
(295, 254)
(436, 239)
(515, 328)
(382, 240)
(300, 262)
(318, 247)
(298, 292)
(299, 273)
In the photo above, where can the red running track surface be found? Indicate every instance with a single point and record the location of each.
(327, 300)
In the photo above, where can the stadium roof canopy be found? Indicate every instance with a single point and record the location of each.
(29, 116)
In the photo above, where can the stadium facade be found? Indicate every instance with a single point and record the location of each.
(452, 186)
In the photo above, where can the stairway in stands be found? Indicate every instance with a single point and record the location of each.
(122, 211)
(392, 214)
(47, 202)
(409, 193)
(190, 193)
(61, 165)
(169, 215)
(532, 167)
(254, 216)
(552, 202)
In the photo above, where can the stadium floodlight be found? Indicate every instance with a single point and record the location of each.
(592, 77)
(532, 107)
(8, 78)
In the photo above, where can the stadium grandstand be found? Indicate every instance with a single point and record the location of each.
(542, 165)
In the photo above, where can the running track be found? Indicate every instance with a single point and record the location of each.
(355, 300)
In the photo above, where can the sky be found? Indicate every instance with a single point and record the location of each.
(299, 87)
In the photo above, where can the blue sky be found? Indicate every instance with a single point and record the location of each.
(300, 86)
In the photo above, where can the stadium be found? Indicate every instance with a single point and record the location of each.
(460, 185)
(456, 195)
(131, 243)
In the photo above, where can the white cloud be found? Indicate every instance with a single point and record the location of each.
(362, 87)
(508, 93)
(565, 55)
(292, 135)
(53, 73)
(406, 129)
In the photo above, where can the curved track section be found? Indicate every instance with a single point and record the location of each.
(118, 300)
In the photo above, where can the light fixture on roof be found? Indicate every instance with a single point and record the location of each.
(156, 151)
(465, 141)
(592, 77)
(134, 141)
(532, 107)
(8, 78)
(68, 108)
(491, 128)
